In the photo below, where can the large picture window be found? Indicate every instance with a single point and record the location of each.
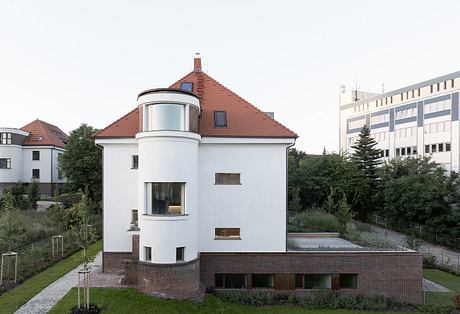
(165, 198)
(166, 117)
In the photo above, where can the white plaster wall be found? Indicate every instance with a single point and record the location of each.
(167, 156)
(55, 168)
(119, 195)
(44, 164)
(257, 206)
(15, 173)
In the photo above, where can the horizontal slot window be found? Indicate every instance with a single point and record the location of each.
(231, 281)
(227, 233)
(227, 179)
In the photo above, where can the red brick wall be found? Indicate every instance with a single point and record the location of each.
(135, 246)
(395, 275)
(112, 261)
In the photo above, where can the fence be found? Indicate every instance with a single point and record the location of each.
(35, 257)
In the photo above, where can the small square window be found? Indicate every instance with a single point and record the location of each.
(36, 155)
(135, 162)
(180, 254)
(427, 149)
(220, 119)
(447, 147)
(414, 150)
(403, 151)
(409, 149)
(147, 253)
(440, 147)
(35, 173)
(188, 86)
(134, 216)
(434, 148)
(5, 163)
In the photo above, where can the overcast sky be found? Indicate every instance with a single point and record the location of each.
(69, 62)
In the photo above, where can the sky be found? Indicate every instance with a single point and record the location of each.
(73, 62)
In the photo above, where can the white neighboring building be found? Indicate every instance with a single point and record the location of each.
(421, 119)
(32, 153)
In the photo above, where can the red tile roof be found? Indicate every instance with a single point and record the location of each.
(243, 119)
(42, 133)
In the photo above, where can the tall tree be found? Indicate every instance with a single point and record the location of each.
(82, 162)
(367, 158)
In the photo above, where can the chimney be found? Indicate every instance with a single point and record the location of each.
(197, 63)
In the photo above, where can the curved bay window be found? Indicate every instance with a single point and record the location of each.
(166, 117)
(165, 198)
(171, 117)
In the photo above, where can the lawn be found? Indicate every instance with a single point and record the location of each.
(15, 298)
(124, 301)
(445, 279)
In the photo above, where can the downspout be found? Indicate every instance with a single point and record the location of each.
(287, 194)
(102, 197)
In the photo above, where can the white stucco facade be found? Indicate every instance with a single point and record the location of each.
(19, 162)
(256, 205)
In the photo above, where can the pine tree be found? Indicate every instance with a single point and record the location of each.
(367, 158)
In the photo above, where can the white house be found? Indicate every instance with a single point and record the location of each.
(32, 153)
(194, 195)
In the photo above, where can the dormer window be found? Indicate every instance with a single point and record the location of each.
(220, 119)
(188, 86)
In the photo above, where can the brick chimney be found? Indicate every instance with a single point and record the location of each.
(197, 63)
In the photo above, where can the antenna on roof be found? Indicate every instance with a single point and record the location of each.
(383, 88)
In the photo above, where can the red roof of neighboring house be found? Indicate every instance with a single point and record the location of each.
(42, 133)
(243, 119)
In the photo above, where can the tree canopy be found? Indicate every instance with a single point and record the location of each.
(82, 162)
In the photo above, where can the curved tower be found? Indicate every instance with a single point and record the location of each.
(168, 186)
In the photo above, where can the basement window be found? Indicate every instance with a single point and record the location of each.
(188, 86)
(348, 281)
(231, 281)
(220, 119)
(263, 280)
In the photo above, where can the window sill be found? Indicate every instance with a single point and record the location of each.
(227, 238)
(165, 217)
(228, 184)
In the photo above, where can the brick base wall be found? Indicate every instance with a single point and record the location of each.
(164, 280)
(111, 261)
(395, 275)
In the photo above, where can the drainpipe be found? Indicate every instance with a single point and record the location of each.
(287, 195)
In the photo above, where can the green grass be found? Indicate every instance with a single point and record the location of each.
(15, 298)
(123, 301)
(447, 280)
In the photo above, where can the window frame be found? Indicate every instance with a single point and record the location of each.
(34, 176)
(225, 178)
(225, 124)
(180, 250)
(186, 89)
(7, 162)
(149, 250)
(35, 155)
(234, 233)
(134, 162)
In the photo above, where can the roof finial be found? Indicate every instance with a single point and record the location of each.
(197, 62)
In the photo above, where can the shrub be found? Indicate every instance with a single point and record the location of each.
(314, 220)
(369, 239)
(247, 297)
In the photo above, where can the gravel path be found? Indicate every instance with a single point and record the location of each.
(48, 297)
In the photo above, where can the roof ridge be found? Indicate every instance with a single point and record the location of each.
(100, 131)
(250, 104)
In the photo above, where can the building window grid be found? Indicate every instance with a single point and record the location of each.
(406, 151)
(380, 119)
(406, 132)
(438, 106)
(438, 127)
(405, 113)
(437, 148)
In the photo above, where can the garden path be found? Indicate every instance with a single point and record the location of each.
(48, 297)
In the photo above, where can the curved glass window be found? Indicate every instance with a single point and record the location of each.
(193, 119)
(166, 117)
(164, 198)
